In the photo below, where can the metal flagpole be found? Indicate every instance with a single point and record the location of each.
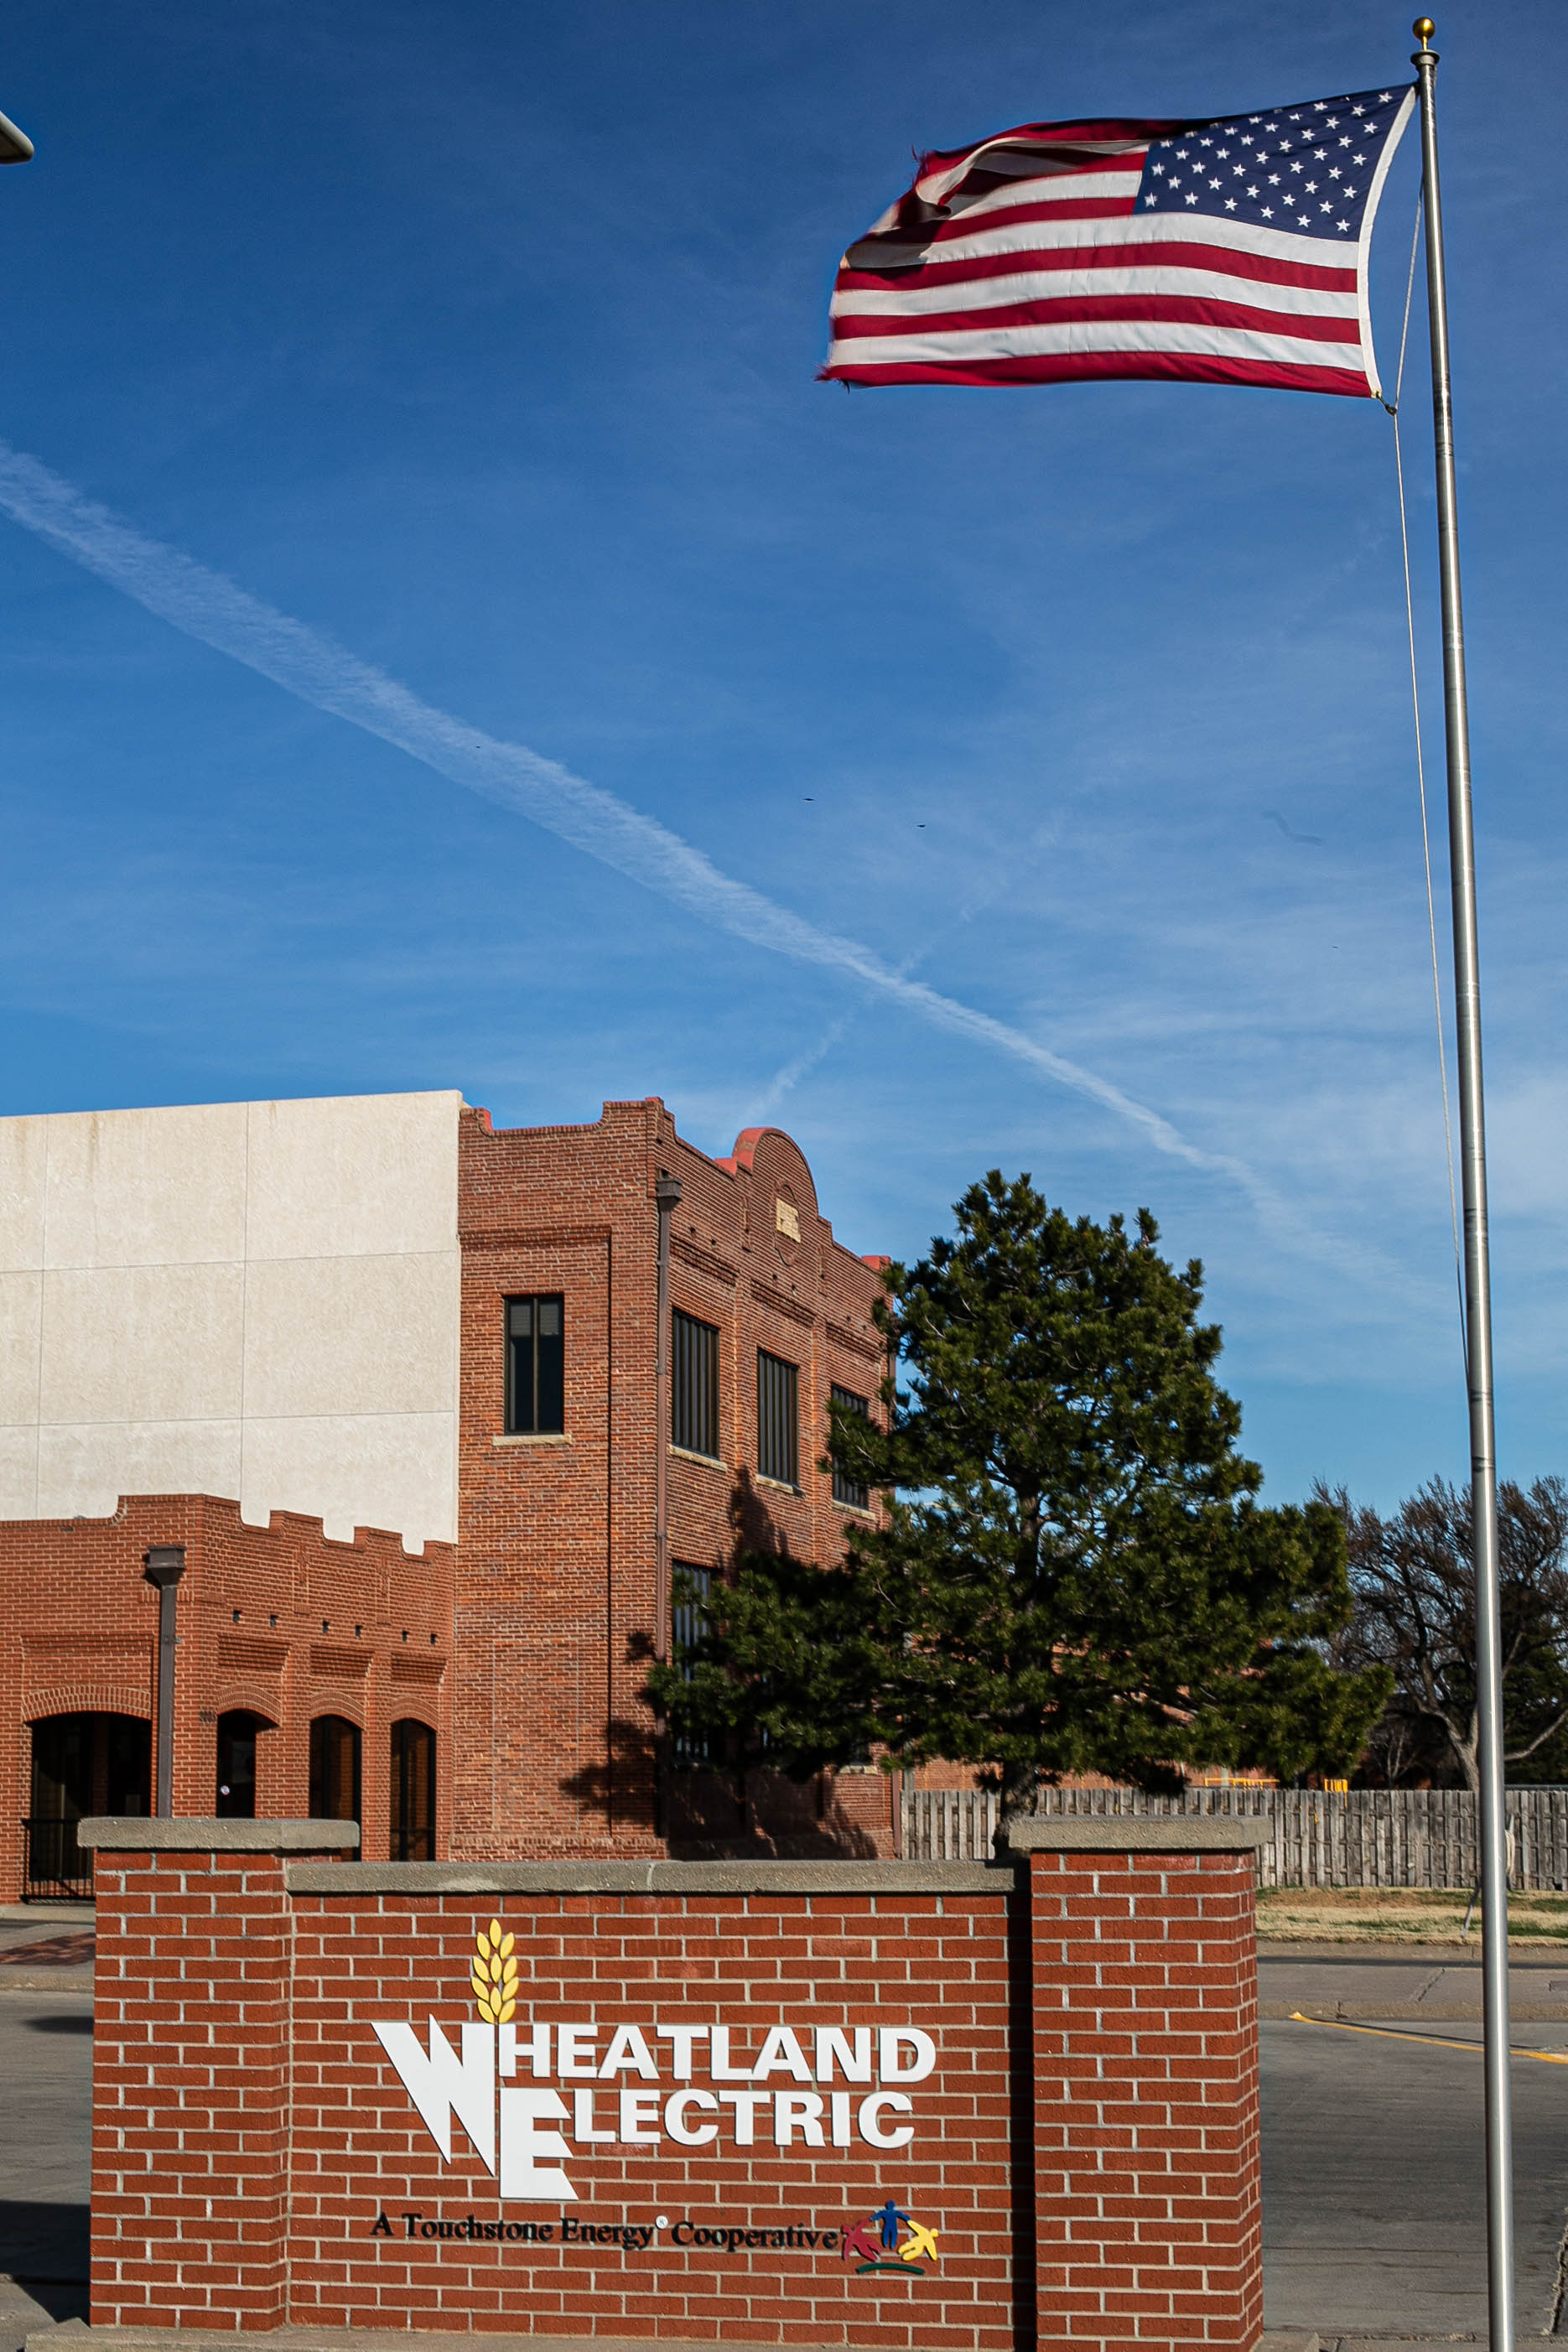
(1477, 1270)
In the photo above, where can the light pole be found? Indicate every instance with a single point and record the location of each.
(163, 1567)
(15, 147)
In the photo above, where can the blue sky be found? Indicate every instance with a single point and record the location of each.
(480, 340)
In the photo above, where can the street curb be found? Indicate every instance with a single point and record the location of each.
(1524, 1952)
(1430, 2013)
(46, 1981)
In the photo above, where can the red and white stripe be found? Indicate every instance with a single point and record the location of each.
(1025, 260)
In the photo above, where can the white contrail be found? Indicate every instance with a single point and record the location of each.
(305, 663)
(801, 1065)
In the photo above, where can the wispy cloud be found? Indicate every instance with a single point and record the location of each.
(786, 1080)
(304, 662)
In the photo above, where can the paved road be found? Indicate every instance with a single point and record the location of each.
(1372, 2214)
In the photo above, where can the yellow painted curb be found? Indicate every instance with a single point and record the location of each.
(1433, 2041)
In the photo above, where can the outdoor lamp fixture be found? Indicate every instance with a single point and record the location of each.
(164, 1566)
(15, 147)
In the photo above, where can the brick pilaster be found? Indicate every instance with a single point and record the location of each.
(191, 2023)
(1147, 2195)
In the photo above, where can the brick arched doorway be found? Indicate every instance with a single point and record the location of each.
(82, 1763)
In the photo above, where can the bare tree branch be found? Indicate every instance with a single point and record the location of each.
(1413, 1579)
(1516, 1755)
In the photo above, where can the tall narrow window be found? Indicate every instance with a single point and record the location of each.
(687, 1623)
(694, 1394)
(535, 1366)
(852, 1491)
(335, 1768)
(778, 1420)
(413, 1808)
(236, 1736)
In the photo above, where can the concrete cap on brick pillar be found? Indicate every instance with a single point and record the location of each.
(140, 1834)
(608, 1878)
(1136, 1834)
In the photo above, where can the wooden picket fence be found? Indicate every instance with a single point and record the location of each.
(949, 1824)
(1371, 1837)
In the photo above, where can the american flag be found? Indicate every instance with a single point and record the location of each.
(1232, 251)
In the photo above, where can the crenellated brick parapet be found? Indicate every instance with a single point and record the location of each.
(278, 1621)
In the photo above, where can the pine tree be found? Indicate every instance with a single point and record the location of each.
(1073, 1573)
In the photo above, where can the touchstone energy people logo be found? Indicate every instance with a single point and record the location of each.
(590, 2083)
(873, 2244)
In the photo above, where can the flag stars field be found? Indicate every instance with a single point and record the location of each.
(1339, 213)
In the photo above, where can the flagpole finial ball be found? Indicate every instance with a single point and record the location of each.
(1423, 29)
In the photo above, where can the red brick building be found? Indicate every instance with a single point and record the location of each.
(280, 1630)
(318, 1314)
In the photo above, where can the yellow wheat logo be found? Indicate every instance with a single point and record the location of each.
(493, 1975)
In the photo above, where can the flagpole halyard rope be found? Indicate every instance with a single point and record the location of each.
(1393, 408)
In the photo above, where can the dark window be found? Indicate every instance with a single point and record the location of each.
(694, 1396)
(237, 1734)
(90, 1764)
(853, 1491)
(688, 1622)
(535, 1366)
(778, 1443)
(335, 1769)
(413, 1812)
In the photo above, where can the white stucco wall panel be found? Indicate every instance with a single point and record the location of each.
(257, 1300)
(402, 1462)
(21, 1322)
(24, 1152)
(20, 1471)
(146, 1187)
(343, 1179)
(84, 1469)
(381, 1336)
(139, 1343)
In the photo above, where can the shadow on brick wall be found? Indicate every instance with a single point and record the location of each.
(640, 1789)
(618, 1789)
(710, 1816)
(792, 1820)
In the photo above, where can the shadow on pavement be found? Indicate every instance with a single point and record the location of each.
(60, 2024)
(41, 2245)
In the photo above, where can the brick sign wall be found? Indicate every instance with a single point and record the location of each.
(812, 2104)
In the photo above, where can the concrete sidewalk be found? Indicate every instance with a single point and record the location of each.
(1397, 1983)
(46, 1946)
(431, 2341)
(1291, 2340)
